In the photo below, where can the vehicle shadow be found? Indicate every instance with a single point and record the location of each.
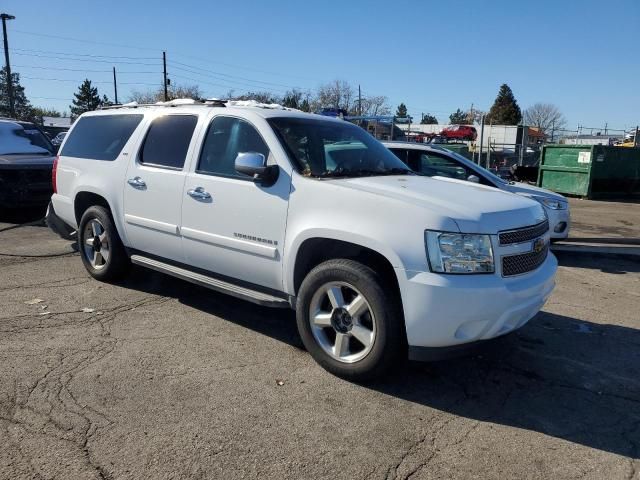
(23, 215)
(608, 263)
(559, 376)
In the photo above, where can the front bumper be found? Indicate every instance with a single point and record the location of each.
(25, 187)
(447, 310)
(558, 219)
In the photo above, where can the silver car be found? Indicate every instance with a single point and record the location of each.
(439, 162)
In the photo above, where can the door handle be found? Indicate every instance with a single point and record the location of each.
(199, 193)
(136, 182)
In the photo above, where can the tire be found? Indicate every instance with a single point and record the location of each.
(374, 335)
(101, 249)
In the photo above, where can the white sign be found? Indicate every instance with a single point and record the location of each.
(584, 157)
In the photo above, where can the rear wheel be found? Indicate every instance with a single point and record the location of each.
(101, 249)
(348, 321)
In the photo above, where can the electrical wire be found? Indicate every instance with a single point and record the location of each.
(116, 62)
(80, 81)
(231, 76)
(85, 70)
(80, 54)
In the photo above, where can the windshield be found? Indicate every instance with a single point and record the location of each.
(16, 139)
(492, 176)
(324, 148)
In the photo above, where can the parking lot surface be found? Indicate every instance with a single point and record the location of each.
(157, 378)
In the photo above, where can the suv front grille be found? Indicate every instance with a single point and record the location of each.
(523, 262)
(524, 234)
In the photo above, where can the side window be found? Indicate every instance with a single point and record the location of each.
(168, 140)
(432, 164)
(100, 137)
(401, 153)
(226, 138)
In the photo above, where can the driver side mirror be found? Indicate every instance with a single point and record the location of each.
(473, 179)
(255, 165)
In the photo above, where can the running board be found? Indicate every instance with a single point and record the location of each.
(213, 283)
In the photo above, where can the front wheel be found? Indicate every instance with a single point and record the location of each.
(101, 249)
(349, 321)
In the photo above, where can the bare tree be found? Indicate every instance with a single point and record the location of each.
(545, 116)
(336, 94)
(374, 106)
(174, 91)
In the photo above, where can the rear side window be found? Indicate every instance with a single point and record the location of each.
(101, 137)
(168, 140)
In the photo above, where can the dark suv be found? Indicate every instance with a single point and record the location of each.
(26, 161)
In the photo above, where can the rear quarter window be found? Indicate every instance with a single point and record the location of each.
(101, 137)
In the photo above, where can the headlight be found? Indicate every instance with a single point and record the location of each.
(459, 252)
(551, 203)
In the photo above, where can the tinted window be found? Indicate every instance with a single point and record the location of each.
(23, 139)
(101, 137)
(168, 140)
(433, 165)
(401, 154)
(226, 138)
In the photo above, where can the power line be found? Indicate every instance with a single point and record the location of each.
(111, 62)
(80, 54)
(236, 82)
(82, 70)
(93, 42)
(92, 81)
(233, 76)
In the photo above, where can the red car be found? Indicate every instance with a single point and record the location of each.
(459, 132)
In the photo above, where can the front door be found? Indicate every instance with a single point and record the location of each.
(154, 184)
(231, 225)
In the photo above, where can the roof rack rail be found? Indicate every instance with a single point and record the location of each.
(213, 102)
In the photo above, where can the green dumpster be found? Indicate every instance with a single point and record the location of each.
(458, 148)
(590, 171)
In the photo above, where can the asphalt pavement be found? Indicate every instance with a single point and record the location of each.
(156, 378)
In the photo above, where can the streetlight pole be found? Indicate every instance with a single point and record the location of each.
(6, 17)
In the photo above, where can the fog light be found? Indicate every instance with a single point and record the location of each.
(560, 227)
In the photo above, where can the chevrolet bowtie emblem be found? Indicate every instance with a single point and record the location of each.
(538, 245)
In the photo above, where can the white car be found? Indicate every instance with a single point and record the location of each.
(278, 207)
(442, 163)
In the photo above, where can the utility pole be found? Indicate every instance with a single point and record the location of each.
(359, 101)
(481, 139)
(115, 86)
(636, 141)
(5, 17)
(164, 66)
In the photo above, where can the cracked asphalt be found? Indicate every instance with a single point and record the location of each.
(157, 378)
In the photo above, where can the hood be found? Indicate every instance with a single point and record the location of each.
(474, 208)
(529, 190)
(26, 161)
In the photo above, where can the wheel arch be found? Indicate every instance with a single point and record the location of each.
(88, 197)
(314, 250)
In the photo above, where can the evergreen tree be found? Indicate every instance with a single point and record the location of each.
(401, 112)
(87, 99)
(428, 119)
(505, 110)
(458, 117)
(21, 105)
(305, 106)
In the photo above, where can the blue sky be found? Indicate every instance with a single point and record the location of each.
(433, 56)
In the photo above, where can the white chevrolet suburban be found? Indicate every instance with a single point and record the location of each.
(289, 209)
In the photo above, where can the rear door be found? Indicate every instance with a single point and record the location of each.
(230, 225)
(154, 183)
